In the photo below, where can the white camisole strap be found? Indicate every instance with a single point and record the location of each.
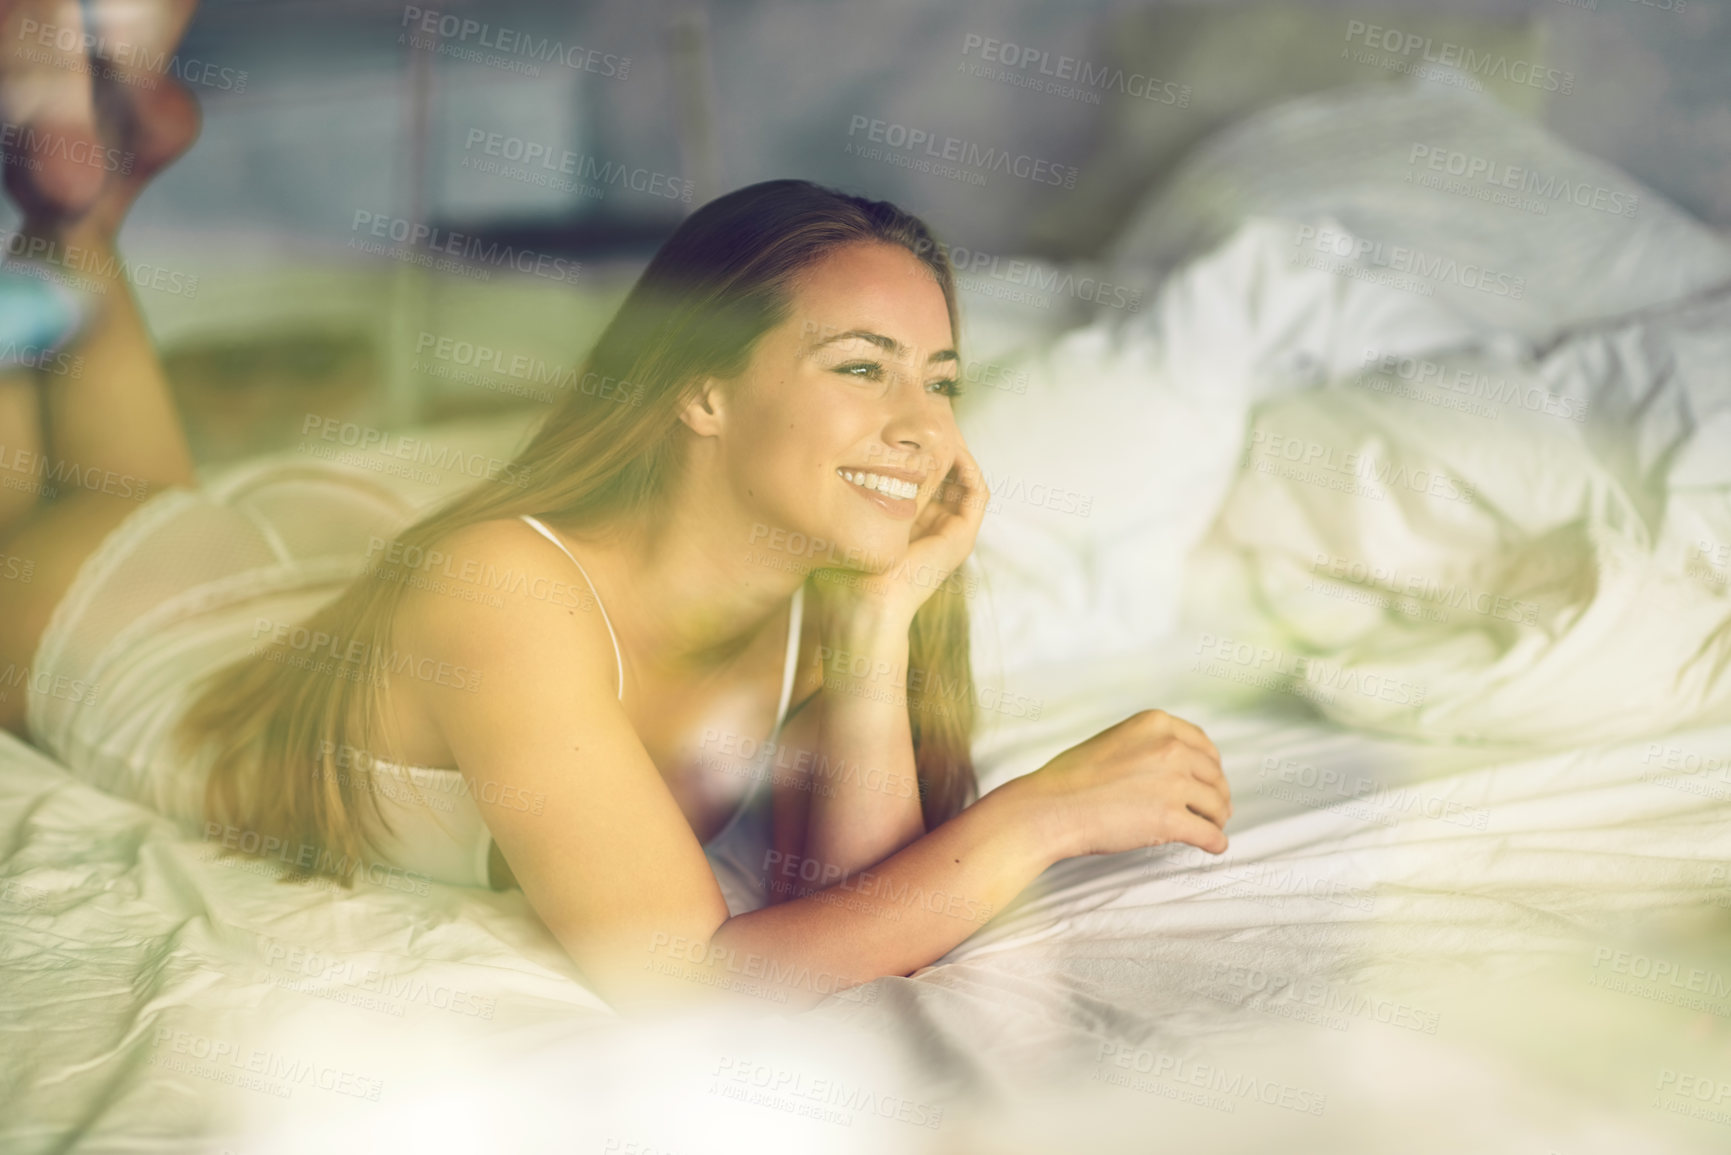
(618, 659)
(791, 663)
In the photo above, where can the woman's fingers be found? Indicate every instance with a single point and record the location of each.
(1208, 801)
(1157, 728)
(1193, 734)
(1206, 773)
(967, 500)
(1207, 769)
(945, 532)
(1198, 832)
(969, 486)
(1205, 766)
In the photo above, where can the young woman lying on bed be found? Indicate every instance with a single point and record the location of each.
(792, 358)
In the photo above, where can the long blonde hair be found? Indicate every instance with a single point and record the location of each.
(275, 732)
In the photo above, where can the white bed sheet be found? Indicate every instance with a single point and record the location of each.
(1316, 958)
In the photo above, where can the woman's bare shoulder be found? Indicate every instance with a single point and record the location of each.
(497, 590)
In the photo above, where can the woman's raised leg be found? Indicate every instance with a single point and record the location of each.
(111, 435)
(113, 438)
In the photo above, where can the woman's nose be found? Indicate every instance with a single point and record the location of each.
(916, 429)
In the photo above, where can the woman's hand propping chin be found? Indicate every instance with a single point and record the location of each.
(939, 542)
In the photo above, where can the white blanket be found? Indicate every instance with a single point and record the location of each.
(1466, 545)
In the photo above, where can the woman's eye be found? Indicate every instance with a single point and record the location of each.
(873, 371)
(865, 370)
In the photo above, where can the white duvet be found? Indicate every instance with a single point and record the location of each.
(1415, 943)
(1458, 565)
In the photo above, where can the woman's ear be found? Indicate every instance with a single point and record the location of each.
(705, 414)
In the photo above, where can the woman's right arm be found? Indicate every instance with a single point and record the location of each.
(614, 870)
(1150, 779)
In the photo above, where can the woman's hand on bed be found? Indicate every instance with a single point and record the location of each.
(1149, 780)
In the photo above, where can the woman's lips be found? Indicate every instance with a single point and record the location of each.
(900, 508)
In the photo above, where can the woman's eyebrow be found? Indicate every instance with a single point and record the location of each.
(888, 344)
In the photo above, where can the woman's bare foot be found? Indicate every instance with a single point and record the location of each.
(60, 110)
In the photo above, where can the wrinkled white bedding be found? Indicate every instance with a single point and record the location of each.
(1414, 943)
(1311, 968)
(1463, 557)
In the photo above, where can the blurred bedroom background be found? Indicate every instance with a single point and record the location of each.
(331, 123)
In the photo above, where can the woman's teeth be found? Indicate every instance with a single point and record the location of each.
(889, 486)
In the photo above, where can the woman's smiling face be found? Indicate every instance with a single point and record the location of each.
(842, 426)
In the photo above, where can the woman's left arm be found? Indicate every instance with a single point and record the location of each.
(852, 742)
(854, 745)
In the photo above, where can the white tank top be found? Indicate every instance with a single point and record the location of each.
(441, 834)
